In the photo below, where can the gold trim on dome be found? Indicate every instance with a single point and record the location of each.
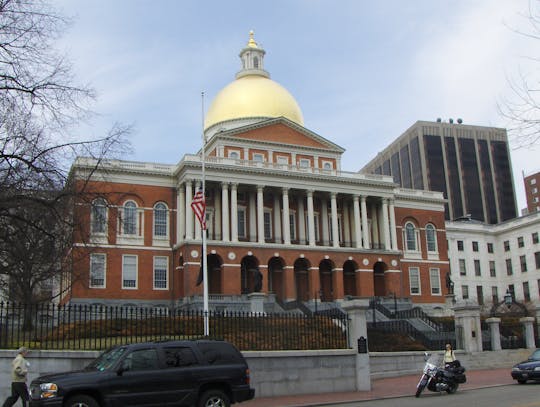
(252, 43)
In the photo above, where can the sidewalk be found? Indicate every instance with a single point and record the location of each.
(383, 388)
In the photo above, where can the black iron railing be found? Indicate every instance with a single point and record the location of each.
(86, 327)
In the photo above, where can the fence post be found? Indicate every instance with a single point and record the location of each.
(467, 317)
(528, 332)
(356, 310)
(495, 332)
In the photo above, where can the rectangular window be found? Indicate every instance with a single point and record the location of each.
(535, 237)
(520, 241)
(282, 159)
(533, 181)
(161, 266)
(537, 259)
(414, 280)
(267, 224)
(460, 245)
(509, 270)
(435, 281)
(462, 267)
(480, 294)
(526, 292)
(477, 271)
(304, 163)
(292, 225)
(97, 270)
(465, 292)
(534, 190)
(129, 271)
(316, 224)
(523, 263)
(241, 223)
(257, 157)
(490, 247)
(506, 245)
(494, 295)
(492, 271)
(474, 246)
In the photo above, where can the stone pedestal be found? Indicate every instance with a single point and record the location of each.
(356, 309)
(528, 332)
(494, 329)
(468, 328)
(257, 302)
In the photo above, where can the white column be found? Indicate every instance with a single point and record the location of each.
(311, 218)
(189, 212)
(225, 212)
(260, 214)
(346, 223)
(324, 222)
(217, 216)
(285, 217)
(234, 212)
(393, 232)
(375, 223)
(365, 234)
(277, 219)
(335, 229)
(180, 214)
(252, 227)
(357, 231)
(386, 226)
(301, 220)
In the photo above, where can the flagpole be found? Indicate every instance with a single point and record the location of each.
(203, 229)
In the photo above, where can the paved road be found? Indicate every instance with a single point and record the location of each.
(512, 395)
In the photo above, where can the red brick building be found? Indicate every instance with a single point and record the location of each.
(532, 191)
(279, 207)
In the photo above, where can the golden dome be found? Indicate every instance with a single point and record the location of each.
(253, 94)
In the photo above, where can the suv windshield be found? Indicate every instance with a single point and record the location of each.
(106, 359)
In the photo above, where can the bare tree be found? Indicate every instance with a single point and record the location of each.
(522, 107)
(39, 103)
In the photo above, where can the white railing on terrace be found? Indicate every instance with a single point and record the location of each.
(419, 193)
(127, 165)
(192, 158)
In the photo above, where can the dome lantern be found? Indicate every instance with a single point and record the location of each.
(252, 59)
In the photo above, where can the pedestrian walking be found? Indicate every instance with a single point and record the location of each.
(19, 374)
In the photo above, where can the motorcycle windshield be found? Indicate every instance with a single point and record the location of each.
(435, 359)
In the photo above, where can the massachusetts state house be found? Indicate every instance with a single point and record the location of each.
(283, 219)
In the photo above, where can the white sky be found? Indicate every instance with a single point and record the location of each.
(362, 71)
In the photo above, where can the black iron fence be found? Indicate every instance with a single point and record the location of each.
(85, 327)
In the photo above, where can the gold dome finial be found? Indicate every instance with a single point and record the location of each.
(251, 42)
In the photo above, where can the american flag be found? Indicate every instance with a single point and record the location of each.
(198, 205)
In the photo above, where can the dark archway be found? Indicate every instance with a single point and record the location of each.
(301, 279)
(326, 280)
(349, 278)
(249, 274)
(276, 266)
(379, 282)
(214, 268)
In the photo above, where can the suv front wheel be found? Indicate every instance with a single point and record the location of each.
(81, 400)
(214, 398)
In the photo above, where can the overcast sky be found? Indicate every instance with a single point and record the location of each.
(362, 71)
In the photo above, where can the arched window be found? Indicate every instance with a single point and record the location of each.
(160, 219)
(431, 238)
(130, 218)
(411, 243)
(255, 62)
(98, 216)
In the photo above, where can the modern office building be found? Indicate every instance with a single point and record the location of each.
(469, 164)
(283, 219)
(532, 194)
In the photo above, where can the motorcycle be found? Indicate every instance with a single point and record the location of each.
(439, 379)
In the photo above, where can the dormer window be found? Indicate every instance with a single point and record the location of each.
(257, 157)
(235, 155)
(304, 163)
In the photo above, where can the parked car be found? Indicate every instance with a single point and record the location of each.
(528, 369)
(200, 373)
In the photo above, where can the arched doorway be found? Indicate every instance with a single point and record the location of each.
(214, 264)
(379, 283)
(301, 279)
(327, 284)
(275, 276)
(250, 275)
(349, 278)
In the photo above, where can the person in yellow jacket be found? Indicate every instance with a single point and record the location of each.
(19, 372)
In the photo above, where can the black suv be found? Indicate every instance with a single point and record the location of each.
(200, 373)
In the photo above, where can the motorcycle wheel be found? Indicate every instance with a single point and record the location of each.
(421, 386)
(452, 388)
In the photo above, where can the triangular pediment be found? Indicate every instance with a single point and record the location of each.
(284, 132)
